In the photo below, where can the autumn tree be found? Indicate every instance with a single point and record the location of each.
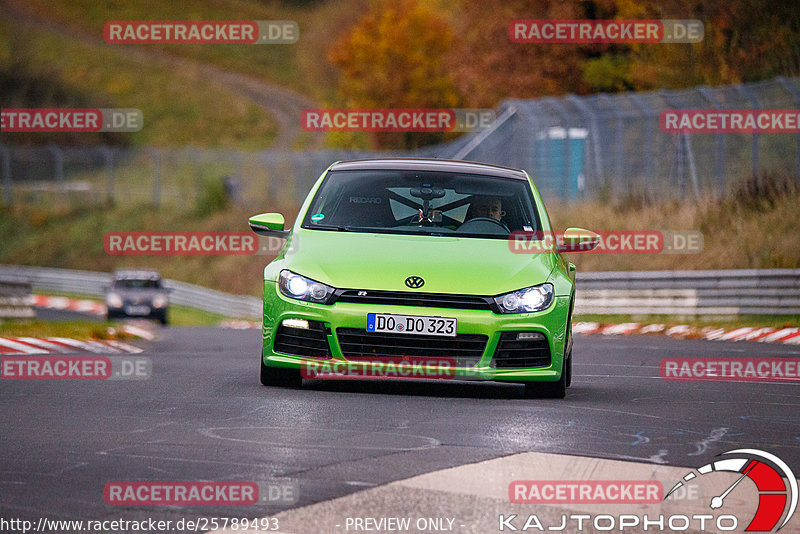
(745, 41)
(488, 67)
(393, 58)
(437, 53)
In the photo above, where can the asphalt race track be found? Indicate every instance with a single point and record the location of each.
(204, 416)
(50, 315)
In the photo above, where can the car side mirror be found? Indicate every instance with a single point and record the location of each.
(268, 224)
(578, 240)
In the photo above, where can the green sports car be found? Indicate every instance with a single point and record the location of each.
(402, 268)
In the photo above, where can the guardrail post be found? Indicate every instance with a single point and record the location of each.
(796, 96)
(618, 142)
(692, 170)
(297, 168)
(238, 160)
(58, 165)
(156, 155)
(8, 194)
(684, 149)
(108, 156)
(564, 115)
(541, 151)
(195, 156)
(720, 149)
(266, 159)
(754, 103)
(648, 144)
(580, 103)
(16, 300)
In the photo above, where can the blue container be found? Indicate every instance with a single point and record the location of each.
(551, 170)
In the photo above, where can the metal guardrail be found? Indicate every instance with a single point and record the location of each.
(94, 283)
(16, 300)
(725, 292)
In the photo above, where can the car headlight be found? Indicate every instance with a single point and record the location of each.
(113, 300)
(529, 299)
(160, 301)
(299, 287)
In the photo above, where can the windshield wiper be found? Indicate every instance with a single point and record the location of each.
(331, 227)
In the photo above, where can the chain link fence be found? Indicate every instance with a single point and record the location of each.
(171, 178)
(613, 145)
(606, 146)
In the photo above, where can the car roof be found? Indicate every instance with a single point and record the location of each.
(429, 164)
(130, 274)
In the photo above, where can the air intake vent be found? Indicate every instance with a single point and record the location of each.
(521, 350)
(407, 298)
(465, 349)
(311, 341)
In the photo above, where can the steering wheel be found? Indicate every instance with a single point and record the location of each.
(501, 224)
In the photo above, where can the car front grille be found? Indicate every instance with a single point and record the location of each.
(406, 298)
(311, 341)
(521, 353)
(465, 349)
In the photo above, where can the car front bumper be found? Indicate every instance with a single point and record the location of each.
(139, 311)
(552, 323)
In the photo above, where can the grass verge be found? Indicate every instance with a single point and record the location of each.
(744, 230)
(70, 329)
(185, 316)
(179, 107)
(296, 66)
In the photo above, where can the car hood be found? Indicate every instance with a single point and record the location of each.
(384, 261)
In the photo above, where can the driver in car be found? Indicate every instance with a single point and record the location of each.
(485, 206)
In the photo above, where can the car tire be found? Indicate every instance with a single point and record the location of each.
(568, 369)
(280, 376)
(551, 390)
(568, 343)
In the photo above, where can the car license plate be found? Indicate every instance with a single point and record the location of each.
(137, 310)
(411, 324)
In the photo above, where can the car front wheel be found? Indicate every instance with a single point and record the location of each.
(552, 390)
(280, 376)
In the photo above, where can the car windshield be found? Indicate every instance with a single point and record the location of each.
(135, 283)
(423, 202)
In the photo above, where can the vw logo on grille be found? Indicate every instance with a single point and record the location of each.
(415, 282)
